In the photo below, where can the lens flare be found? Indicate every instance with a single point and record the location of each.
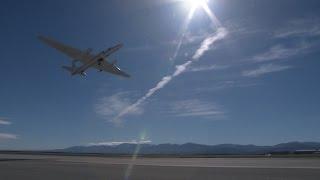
(211, 15)
(134, 156)
(183, 33)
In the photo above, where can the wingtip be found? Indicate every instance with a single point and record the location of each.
(41, 37)
(127, 76)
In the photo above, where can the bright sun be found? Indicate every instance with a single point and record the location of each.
(193, 5)
(196, 3)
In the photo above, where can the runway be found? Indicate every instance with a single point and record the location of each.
(71, 167)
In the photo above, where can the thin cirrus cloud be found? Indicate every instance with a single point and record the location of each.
(225, 85)
(195, 108)
(110, 106)
(4, 122)
(6, 136)
(207, 68)
(299, 31)
(265, 69)
(278, 52)
(116, 143)
(308, 27)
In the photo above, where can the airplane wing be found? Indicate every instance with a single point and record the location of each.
(111, 68)
(86, 57)
(74, 53)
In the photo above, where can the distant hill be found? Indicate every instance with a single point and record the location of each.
(192, 149)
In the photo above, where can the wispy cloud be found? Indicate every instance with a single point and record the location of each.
(300, 30)
(278, 52)
(225, 85)
(196, 108)
(110, 106)
(4, 122)
(308, 27)
(6, 136)
(205, 46)
(207, 68)
(115, 143)
(265, 69)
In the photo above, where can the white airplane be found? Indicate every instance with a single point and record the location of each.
(99, 61)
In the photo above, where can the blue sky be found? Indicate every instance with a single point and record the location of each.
(256, 84)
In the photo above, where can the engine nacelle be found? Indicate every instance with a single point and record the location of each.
(83, 74)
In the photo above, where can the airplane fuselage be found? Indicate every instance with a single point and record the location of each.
(98, 59)
(84, 67)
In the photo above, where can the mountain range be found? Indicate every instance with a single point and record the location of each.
(192, 148)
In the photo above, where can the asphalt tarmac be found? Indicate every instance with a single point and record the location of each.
(36, 167)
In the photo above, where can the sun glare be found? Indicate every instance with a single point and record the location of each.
(193, 4)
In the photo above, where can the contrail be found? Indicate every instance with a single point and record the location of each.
(205, 46)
